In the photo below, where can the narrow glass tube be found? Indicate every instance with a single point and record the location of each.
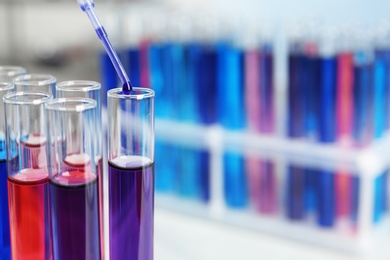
(8, 73)
(5, 252)
(85, 89)
(27, 174)
(90, 89)
(38, 82)
(73, 184)
(131, 173)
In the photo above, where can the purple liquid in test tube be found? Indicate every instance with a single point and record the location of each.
(74, 203)
(90, 89)
(132, 188)
(259, 108)
(131, 174)
(74, 179)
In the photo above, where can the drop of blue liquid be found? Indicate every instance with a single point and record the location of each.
(126, 88)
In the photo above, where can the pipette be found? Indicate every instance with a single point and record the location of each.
(88, 7)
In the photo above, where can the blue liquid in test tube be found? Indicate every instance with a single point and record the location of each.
(327, 134)
(184, 96)
(164, 174)
(311, 81)
(295, 196)
(195, 61)
(162, 82)
(4, 224)
(230, 108)
(380, 79)
(5, 250)
(206, 84)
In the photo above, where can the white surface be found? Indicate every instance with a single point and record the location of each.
(182, 237)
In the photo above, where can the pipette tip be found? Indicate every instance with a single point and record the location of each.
(126, 88)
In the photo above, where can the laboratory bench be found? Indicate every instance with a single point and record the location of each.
(184, 237)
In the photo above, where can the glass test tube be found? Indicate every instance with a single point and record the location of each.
(73, 184)
(131, 173)
(86, 89)
(38, 82)
(27, 174)
(5, 252)
(89, 89)
(34, 82)
(7, 73)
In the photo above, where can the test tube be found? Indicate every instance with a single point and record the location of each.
(27, 174)
(34, 82)
(89, 89)
(38, 82)
(131, 173)
(5, 252)
(7, 73)
(86, 89)
(73, 184)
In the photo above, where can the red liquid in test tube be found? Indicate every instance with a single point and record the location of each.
(28, 203)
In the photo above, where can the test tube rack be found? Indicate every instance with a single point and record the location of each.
(367, 163)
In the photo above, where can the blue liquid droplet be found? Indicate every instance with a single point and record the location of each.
(126, 88)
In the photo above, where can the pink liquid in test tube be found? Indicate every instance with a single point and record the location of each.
(344, 117)
(258, 97)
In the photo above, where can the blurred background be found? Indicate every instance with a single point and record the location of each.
(272, 117)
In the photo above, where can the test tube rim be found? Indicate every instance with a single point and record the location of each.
(87, 104)
(78, 85)
(117, 93)
(48, 79)
(10, 98)
(12, 70)
(7, 85)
